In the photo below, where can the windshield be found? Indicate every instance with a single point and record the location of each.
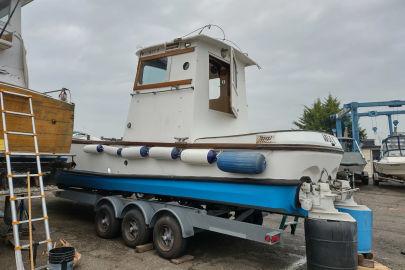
(348, 145)
(154, 71)
(394, 146)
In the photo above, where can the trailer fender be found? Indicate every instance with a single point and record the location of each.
(145, 208)
(187, 229)
(115, 202)
(152, 211)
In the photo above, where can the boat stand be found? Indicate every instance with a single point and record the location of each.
(293, 224)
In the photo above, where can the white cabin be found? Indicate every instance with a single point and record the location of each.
(187, 89)
(13, 65)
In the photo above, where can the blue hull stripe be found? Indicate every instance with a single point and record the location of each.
(277, 198)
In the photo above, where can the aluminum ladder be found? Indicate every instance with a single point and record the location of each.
(10, 176)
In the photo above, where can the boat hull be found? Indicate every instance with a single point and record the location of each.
(260, 171)
(353, 162)
(395, 168)
(271, 195)
(281, 163)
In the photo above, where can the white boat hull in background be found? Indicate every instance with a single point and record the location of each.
(391, 166)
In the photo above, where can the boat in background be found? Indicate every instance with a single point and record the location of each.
(35, 137)
(391, 166)
(53, 116)
(353, 161)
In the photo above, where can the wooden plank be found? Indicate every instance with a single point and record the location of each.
(49, 143)
(53, 121)
(377, 266)
(162, 84)
(167, 54)
(41, 107)
(183, 259)
(144, 248)
(248, 146)
(23, 124)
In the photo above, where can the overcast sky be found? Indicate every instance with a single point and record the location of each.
(307, 49)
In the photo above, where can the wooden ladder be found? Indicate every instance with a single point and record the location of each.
(10, 176)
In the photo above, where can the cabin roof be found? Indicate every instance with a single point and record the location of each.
(206, 39)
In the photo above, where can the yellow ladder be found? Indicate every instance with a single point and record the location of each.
(10, 176)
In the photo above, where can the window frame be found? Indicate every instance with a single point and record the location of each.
(235, 74)
(142, 70)
(213, 103)
(142, 60)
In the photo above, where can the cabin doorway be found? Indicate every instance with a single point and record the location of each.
(219, 86)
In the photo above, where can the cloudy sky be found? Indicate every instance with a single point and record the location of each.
(307, 49)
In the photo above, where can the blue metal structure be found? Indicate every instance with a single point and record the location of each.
(353, 107)
(364, 219)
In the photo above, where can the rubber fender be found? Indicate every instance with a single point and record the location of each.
(241, 162)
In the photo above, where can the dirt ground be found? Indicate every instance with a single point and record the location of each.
(74, 223)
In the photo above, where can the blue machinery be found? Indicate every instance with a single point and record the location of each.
(364, 216)
(352, 109)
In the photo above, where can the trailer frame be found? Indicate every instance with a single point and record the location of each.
(379, 177)
(190, 220)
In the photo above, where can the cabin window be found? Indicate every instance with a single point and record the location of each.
(214, 88)
(219, 86)
(394, 146)
(154, 71)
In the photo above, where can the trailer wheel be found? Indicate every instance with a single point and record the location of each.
(134, 230)
(167, 237)
(376, 182)
(365, 180)
(107, 226)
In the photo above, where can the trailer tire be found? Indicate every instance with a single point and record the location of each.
(167, 237)
(107, 225)
(365, 180)
(134, 230)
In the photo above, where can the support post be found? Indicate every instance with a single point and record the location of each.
(355, 126)
(390, 124)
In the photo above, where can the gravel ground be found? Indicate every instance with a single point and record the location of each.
(74, 223)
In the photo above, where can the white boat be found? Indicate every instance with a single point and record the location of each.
(186, 136)
(392, 162)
